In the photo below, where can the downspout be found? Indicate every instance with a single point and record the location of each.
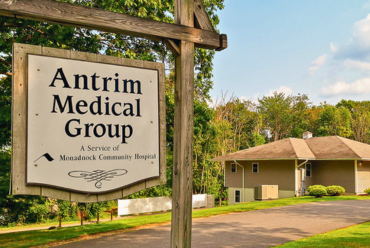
(295, 174)
(243, 175)
(356, 178)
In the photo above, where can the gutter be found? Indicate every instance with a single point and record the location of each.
(243, 175)
(284, 159)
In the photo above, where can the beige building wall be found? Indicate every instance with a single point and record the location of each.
(282, 173)
(234, 180)
(363, 176)
(249, 194)
(279, 173)
(335, 172)
(286, 193)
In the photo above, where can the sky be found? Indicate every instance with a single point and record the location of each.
(316, 47)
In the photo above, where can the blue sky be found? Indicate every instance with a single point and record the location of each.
(316, 47)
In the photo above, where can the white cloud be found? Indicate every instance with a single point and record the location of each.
(366, 5)
(283, 89)
(212, 103)
(359, 47)
(361, 31)
(254, 98)
(333, 48)
(316, 64)
(360, 86)
(350, 63)
(243, 98)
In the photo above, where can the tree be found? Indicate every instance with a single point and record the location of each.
(334, 121)
(300, 113)
(276, 112)
(361, 125)
(5, 108)
(360, 122)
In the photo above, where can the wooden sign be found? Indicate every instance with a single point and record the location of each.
(192, 28)
(92, 124)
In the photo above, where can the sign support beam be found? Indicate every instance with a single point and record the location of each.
(107, 21)
(183, 140)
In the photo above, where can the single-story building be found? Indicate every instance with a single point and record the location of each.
(294, 164)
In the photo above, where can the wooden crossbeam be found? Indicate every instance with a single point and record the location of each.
(107, 21)
(201, 19)
(174, 48)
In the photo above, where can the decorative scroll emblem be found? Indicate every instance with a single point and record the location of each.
(98, 175)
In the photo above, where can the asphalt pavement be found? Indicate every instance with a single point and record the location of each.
(260, 228)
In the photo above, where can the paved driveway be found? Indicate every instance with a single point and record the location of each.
(262, 228)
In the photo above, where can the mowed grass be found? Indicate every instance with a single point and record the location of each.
(103, 216)
(354, 236)
(34, 238)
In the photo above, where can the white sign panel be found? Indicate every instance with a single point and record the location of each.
(91, 127)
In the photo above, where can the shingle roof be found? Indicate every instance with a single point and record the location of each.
(332, 147)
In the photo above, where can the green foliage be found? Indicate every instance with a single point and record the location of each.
(64, 208)
(335, 190)
(367, 191)
(5, 110)
(317, 190)
(40, 210)
(334, 121)
(258, 139)
(276, 111)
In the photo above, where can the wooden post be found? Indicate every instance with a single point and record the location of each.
(60, 221)
(82, 218)
(97, 221)
(111, 215)
(183, 135)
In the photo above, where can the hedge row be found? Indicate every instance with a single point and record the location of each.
(320, 190)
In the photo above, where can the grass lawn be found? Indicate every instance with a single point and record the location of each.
(354, 236)
(33, 238)
(53, 223)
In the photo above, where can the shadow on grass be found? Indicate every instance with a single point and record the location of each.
(33, 238)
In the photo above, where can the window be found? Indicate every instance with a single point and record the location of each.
(237, 196)
(255, 168)
(308, 170)
(233, 168)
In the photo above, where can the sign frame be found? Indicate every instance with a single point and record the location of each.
(19, 124)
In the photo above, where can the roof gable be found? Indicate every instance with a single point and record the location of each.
(332, 147)
(361, 149)
(281, 149)
(301, 148)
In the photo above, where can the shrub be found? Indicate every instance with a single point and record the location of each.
(317, 190)
(335, 190)
(367, 191)
(315, 186)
